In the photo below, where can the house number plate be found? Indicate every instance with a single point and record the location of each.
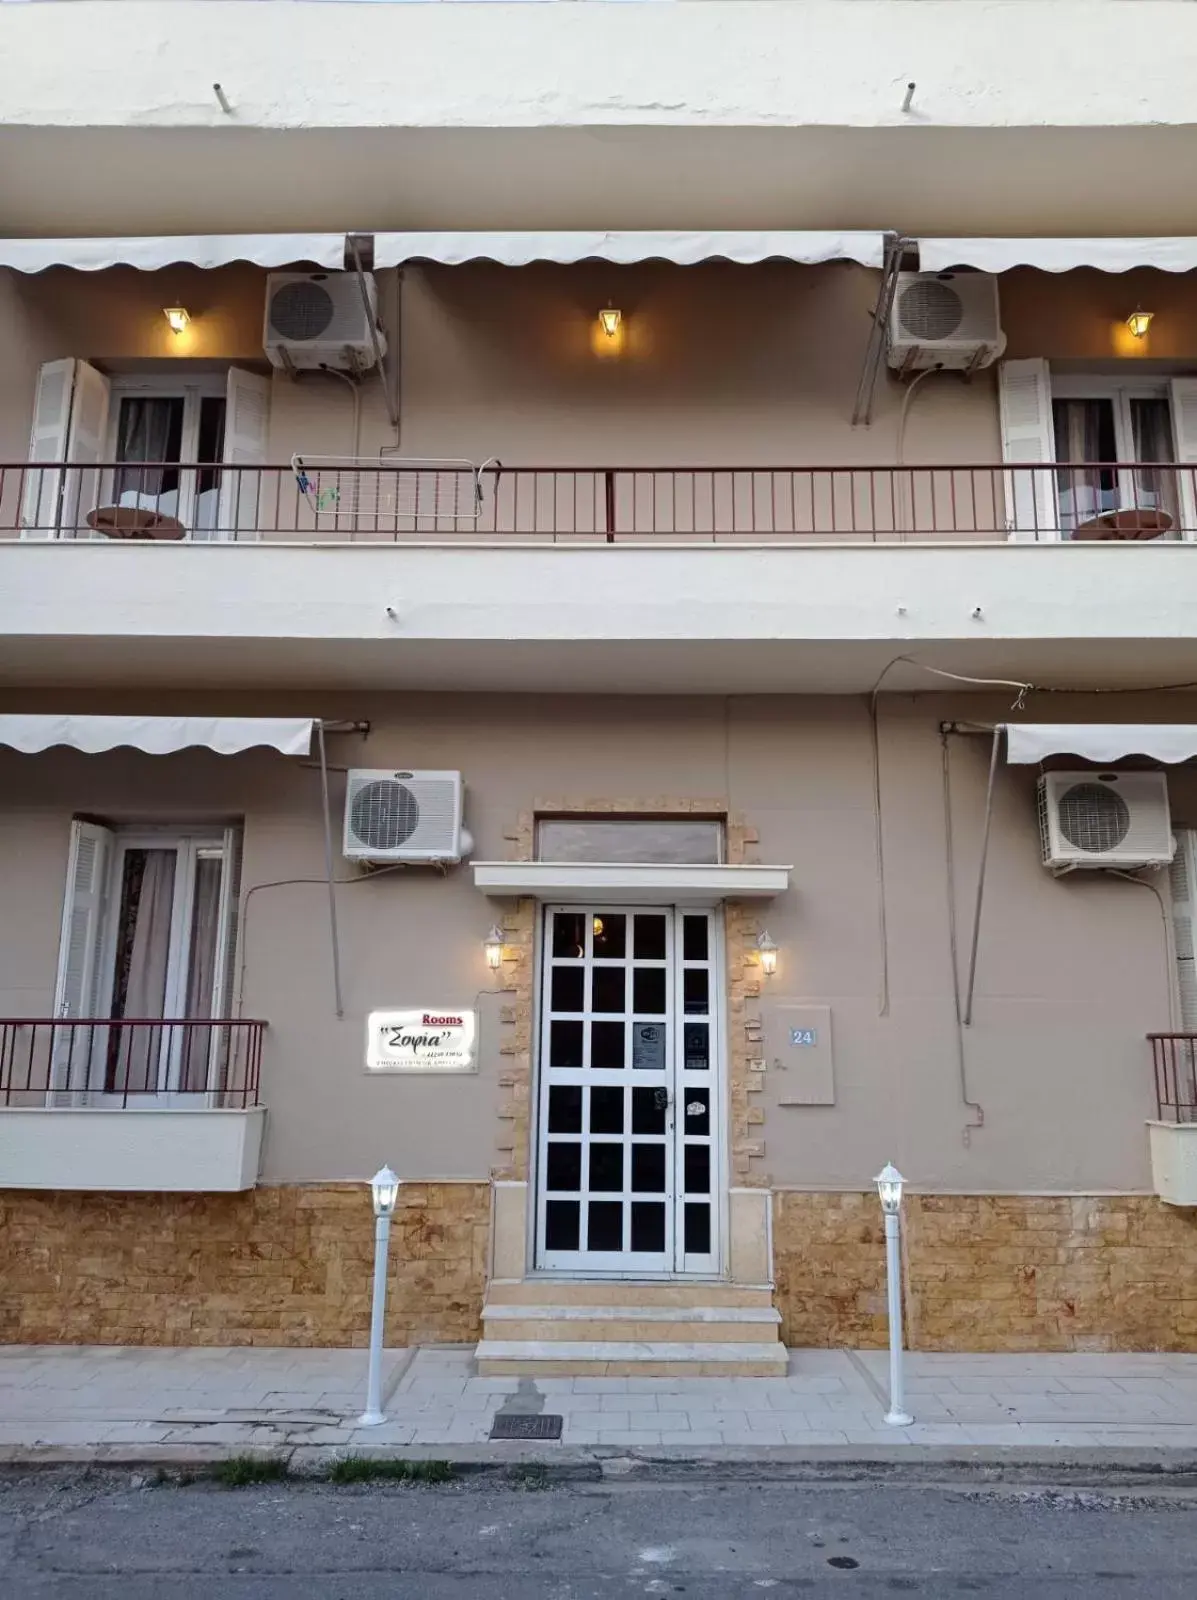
(804, 1036)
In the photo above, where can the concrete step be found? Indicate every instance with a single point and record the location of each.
(619, 1292)
(631, 1324)
(615, 1358)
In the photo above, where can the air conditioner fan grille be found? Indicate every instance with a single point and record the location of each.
(1093, 818)
(384, 814)
(301, 310)
(929, 309)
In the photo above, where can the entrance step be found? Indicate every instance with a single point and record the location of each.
(617, 1358)
(550, 1327)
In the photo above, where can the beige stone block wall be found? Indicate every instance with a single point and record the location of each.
(990, 1272)
(286, 1265)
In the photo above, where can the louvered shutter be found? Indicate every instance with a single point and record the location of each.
(246, 441)
(47, 444)
(1184, 431)
(79, 952)
(1183, 879)
(1025, 403)
(87, 439)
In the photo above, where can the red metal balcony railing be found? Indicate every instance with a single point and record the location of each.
(129, 1061)
(389, 501)
(1175, 1059)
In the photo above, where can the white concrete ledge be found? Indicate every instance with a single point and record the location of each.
(629, 882)
(191, 1151)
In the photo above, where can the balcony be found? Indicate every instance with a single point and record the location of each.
(130, 1105)
(341, 501)
(1173, 1134)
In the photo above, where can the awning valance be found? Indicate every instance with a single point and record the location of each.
(157, 736)
(1100, 741)
(629, 882)
(197, 250)
(518, 249)
(1175, 254)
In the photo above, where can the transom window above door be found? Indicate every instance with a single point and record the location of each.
(693, 841)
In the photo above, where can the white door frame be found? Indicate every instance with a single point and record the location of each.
(714, 1080)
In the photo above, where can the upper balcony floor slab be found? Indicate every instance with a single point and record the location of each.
(733, 113)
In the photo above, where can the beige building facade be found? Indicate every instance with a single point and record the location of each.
(692, 600)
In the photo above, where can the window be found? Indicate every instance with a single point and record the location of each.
(148, 937)
(1109, 421)
(158, 427)
(607, 839)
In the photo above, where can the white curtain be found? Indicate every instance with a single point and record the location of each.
(143, 951)
(198, 1043)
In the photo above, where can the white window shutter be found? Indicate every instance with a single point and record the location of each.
(1184, 431)
(246, 442)
(1183, 882)
(79, 951)
(47, 443)
(87, 440)
(1025, 402)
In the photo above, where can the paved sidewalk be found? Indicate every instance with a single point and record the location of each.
(117, 1400)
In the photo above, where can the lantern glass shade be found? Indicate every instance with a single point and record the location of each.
(493, 945)
(1139, 321)
(609, 321)
(767, 950)
(385, 1187)
(889, 1187)
(177, 316)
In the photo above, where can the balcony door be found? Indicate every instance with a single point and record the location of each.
(629, 1091)
(146, 952)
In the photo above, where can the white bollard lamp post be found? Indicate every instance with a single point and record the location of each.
(889, 1188)
(385, 1187)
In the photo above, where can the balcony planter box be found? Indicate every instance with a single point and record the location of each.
(192, 1150)
(1174, 1161)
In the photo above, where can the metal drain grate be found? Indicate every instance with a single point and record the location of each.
(513, 1426)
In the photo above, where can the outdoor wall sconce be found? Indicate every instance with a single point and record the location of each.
(493, 945)
(1139, 321)
(177, 316)
(768, 954)
(609, 321)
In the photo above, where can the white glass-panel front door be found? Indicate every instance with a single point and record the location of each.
(629, 1084)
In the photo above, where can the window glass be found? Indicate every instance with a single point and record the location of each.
(695, 841)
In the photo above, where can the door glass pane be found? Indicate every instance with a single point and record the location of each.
(608, 988)
(197, 1044)
(698, 1046)
(562, 1223)
(648, 1168)
(569, 987)
(565, 1044)
(564, 1167)
(569, 935)
(606, 1046)
(143, 939)
(619, 839)
(565, 1109)
(698, 1228)
(648, 1111)
(606, 1110)
(694, 938)
(648, 1225)
(149, 431)
(606, 1166)
(698, 1111)
(610, 937)
(698, 1169)
(648, 991)
(1086, 448)
(650, 938)
(696, 988)
(604, 1225)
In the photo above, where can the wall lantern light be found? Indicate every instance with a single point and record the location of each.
(768, 954)
(609, 321)
(493, 945)
(1139, 321)
(177, 316)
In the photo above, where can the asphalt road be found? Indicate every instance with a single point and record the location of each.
(70, 1537)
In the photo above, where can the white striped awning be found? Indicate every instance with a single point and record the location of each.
(197, 250)
(686, 249)
(157, 736)
(1174, 254)
(1166, 742)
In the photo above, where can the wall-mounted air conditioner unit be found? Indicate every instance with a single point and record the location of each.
(944, 319)
(1105, 819)
(404, 816)
(317, 319)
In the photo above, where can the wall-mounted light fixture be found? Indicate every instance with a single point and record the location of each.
(1139, 321)
(177, 316)
(767, 950)
(609, 320)
(493, 945)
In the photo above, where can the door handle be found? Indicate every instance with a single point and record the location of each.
(661, 1099)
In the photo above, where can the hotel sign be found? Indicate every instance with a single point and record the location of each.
(426, 1039)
